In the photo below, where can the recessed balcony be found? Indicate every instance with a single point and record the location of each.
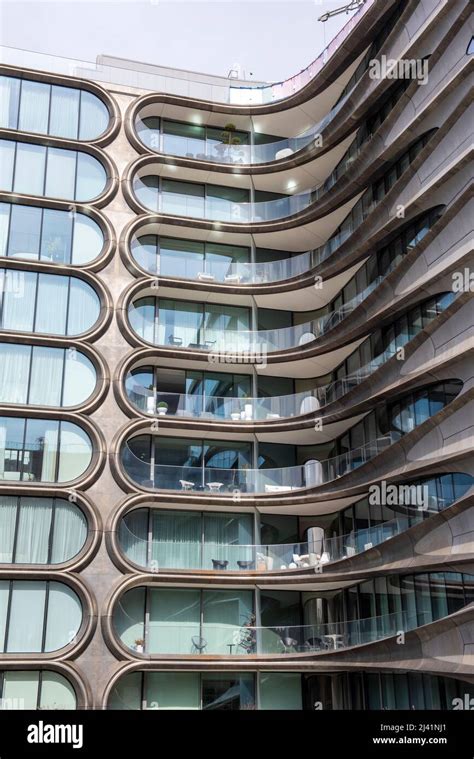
(146, 396)
(144, 472)
(246, 639)
(227, 144)
(205, 327)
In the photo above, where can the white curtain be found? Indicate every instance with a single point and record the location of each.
(133, 536)
(14, 368)
(52, 289)
(7, 156)
(4, 594)
(64, 616)
(79, 378)
(9, 101)
(75, 452)
(70, 531)
(33, 531)
(19, 301)
(61, 173)
(64, 118)
(84, 307)
(46, 376)
(176, 539)
(34, 107)
(25, 631)
(4, 217)
(8, 506)
(30, 168)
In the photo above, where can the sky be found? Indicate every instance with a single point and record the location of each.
(270, 39)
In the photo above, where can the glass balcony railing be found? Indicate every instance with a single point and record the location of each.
(230, 639)
(235, 409)
(181, 554)
(215, 208)
(220, 481)
(220, 152)
(179, 334)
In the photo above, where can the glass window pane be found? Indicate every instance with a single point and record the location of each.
(224, 614)
(174, 621)
(64, 117)
(7, 156)
(20, 690)
(34, 107)
(25, 631)
(280, 691)
(91, 178)
(40, 450)
(94, 116)
(33, 531)
(171, 690)
(127, 692)
(79, 378)
(4, 224)
(4, 596)
(14, 370)
(56, 692)
(61, 173)
(75, 453)
(9, 102)
(29, 169)
(8, 509)
(84, 307)
(25, 232)
(129, 617)
(70, 531)
(19, 289)
(46, 376)
(51, 289)
(64, 616)
(56, 237)
(88, 240)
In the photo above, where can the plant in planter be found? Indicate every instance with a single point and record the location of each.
(229, 141)
(162, 408)
(139, 645)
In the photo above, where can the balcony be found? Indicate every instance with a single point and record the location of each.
(194, 638)
(219, 151)
(315, 553)
(189, 329)
(247, 410)
(231, 482)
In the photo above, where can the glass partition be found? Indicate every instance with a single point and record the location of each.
(53, 172)
(40, 530)
(60, 111)
(42, 450)
(37, 616)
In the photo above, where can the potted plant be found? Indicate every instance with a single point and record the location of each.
(139, 644)
(162, 408)
(229, 140)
